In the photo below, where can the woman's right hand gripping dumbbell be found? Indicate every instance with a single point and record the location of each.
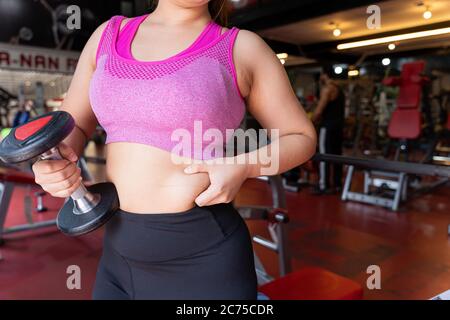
(60, 178)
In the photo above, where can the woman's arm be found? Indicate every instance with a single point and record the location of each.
(62, 177)
(77, 100)
(272, 101)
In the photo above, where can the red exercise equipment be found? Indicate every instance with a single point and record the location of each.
(312, 284)
(406, 120)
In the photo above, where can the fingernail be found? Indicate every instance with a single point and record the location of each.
(188, 170)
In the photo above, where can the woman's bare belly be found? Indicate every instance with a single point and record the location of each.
(149, 181)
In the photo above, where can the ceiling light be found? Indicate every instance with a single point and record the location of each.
(338, 70)
(391, 46)
(282, 56)
(427, 14)
(405, 36)
(353, 73)
(386, 61)
(337, 32)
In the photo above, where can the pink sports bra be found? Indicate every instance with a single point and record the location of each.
(187, 104)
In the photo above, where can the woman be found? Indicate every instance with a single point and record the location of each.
(176, 235)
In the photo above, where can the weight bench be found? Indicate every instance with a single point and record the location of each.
(389, 188)
(395, 168)
(9, 179)
(310, 283)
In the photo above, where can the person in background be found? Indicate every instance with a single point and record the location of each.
(329, 118)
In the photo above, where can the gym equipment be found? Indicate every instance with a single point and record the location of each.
(310, 283)
(10, 179)
(391, 178)
(39, 202)
(406, 120)
(441, 152)
(277, 217)
(388, 168)
(291, 180)
(364, 134)
(298, 177)
(91, 207)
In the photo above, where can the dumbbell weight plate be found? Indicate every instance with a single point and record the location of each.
(26, 142)
(74, 224)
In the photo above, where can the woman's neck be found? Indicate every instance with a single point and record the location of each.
(170, 14)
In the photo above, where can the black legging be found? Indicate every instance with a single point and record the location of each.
(203, 253)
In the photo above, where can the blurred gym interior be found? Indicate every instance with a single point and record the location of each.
(387, 214)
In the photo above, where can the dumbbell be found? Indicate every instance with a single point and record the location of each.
(91, 207)
(39, 202)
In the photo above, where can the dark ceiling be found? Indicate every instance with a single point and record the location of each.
(255, 15)
(249, 14)
(31, 14)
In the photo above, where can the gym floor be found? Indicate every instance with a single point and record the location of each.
(411, 246)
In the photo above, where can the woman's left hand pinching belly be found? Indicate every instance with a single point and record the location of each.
(226, 176)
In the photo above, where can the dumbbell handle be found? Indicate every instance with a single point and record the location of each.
(83, 199)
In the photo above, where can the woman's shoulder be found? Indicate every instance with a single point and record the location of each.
(251, 47)
(243, 34)
(249, 42)
(251, 53)
(250, 37)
